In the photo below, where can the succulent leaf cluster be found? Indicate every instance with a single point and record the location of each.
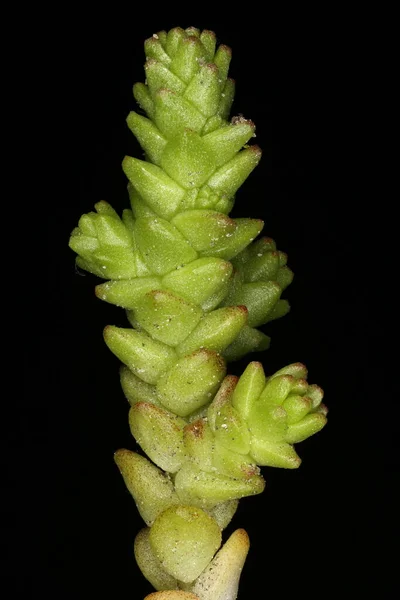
(196, 285)
(176, 251)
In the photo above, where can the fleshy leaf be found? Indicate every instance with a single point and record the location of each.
(187, 160)
(204, 90)
(303, 429)
(225, 142)
(223, 513)
(248, 340)
(159, 76)
(228, 179)
(209, 489)
(167, 317)
(160, 192)
(233, 464)
(159, 433)
(137, 390)
(191, 382)
(248, 389)
(185, 62)
(173, 114)
(145, 357)
(128, 292)
(162, 246)
(152, 490)
(172, 536)
(199, 444)
(274, 454)
(220, 580)
(216, 330)
(200, 279)
(150, 565)
(204, 229)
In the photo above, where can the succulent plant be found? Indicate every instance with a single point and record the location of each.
(196, 284)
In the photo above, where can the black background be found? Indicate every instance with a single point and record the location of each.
(323, 528)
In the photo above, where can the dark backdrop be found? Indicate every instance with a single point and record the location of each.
(317, 530)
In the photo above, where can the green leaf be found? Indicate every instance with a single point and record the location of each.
(162, 246)
(209, 489)
(115, 263)
(143, 98)
(105, 209)
(128, 292)
(174, 38)
(248, 340)
(145, 357)
(227, 96)
(192, 31)
(232, 464)
(199, 280)
(222, 59)
(225, 142)
(209, 40)
(83, 245)
(199, 444)
(267, 422)
(262, 246)
(284, 277)
(216, 330)
(173, 114)
(228, 179)
(187, 160)
(222, 398)
(296, 370)
(233, 243)
(204, 90)
(138, 205)
(90, 267)
(112, 232)
(249, 387)
(161, 193)
(167, 317)
(159, 433)
(135, 389)
(263, 267)
(87, 226)
(159, 76)
(231, 430)
(129, 221)
(305, 428)
(216, 299)
(204, 229)
(148, 136)
(315, 393)
(259, 299)
(224, 512)
(213, 123)
(280, 309)
(274, 454)
(296, 408)
(152, 490)
(162, 36)
(149, 564)
(185, 63)
(300, 387)
(220, 579)
(172, 536)
(276, 390)
(191, 382)
(153, 49)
